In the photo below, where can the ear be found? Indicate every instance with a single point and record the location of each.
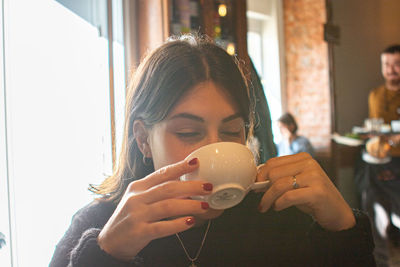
(141, 134)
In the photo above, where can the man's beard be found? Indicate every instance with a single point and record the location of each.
(393, 82)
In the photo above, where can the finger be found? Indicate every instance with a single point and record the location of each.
(166, 228)
(290, 169)
(175, 189)
(167, 173)
(280, 187)
(176, 207)
(300, 197)
(265, 169)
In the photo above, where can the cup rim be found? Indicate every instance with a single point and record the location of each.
(217, 144)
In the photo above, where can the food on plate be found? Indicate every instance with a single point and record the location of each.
(353, 135)
(378, 147)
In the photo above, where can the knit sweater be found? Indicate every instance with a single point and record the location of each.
(241, 236)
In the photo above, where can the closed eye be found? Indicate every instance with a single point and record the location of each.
(231, 133)
(187, 134)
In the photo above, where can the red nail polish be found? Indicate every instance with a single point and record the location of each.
(204, 205)
(208, 187)
(190, 221)
(193, 161)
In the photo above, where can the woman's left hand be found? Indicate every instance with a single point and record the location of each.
(298, 180)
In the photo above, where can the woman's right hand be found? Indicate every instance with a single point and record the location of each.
(141, 213)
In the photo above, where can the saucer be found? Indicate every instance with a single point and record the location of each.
(374, 160)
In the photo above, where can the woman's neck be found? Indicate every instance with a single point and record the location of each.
(292, 138)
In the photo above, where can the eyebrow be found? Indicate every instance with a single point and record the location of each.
(200, 119)
(232, 117)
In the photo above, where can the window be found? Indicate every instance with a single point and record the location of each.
(264, 40)
(57, 118)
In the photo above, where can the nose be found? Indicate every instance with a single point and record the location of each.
(391, 69)
(213, 137)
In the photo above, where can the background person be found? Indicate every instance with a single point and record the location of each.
(379, 184)
(186, 94)
(384, 101)
(291, 142)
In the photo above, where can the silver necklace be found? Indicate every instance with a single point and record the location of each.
(198, 251)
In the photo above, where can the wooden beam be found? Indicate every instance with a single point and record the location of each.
(152, 24)
(241, 30)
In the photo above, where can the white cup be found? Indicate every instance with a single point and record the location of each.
(395, 125)
(373, 124)
(230, 167)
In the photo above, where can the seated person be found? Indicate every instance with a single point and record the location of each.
(291, 142)
(379, 183)
(384, 101)
(186, 94)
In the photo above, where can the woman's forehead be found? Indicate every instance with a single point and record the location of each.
(205, 99)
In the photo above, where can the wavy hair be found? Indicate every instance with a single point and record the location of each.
(159, 82)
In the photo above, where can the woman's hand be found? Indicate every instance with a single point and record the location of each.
(315, 195)
(139, 217)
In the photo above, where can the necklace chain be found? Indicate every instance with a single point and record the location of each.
(200, 248)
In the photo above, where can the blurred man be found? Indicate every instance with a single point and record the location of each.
(384, 101)
(379, 184)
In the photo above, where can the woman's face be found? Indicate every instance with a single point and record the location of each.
(205, 115)
(284, 129)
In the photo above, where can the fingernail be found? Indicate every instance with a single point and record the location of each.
(208, 187)
(204, 205)
(193, 161)
(190, 221)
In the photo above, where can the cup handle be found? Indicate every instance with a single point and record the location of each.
(260, 185)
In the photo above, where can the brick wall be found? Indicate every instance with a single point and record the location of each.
(307, 84)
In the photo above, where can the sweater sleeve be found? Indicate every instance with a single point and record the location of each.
(78, 247)
(87, 253)
(352, 247)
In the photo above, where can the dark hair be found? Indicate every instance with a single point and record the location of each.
(392, 49)
(288, 120)
(162, 78)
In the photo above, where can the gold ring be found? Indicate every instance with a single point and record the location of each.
(295, 184)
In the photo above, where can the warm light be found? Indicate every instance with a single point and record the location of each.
(217, 30)
(222, 10)
(230, 49)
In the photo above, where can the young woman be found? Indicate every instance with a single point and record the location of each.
(291, 142)
(186, 94)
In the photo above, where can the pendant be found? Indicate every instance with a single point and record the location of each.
(193, 265)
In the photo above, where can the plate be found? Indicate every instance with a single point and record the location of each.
(343, 140)
(373, 160)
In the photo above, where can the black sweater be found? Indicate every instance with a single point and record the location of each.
(241, 236)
